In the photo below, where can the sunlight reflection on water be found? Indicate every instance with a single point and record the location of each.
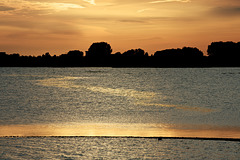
(63, 104)
(64, 83)
(175, 99)
(142, 97)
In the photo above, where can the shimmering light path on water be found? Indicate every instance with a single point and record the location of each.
(169, 102)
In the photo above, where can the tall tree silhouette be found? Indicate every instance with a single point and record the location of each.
(99, 49)
(224, 49)
(224, 53)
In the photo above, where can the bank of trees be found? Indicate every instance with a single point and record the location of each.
(220, 54)
(224, 54)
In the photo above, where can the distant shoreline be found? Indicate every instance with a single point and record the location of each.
(133, 137)
(220, 54)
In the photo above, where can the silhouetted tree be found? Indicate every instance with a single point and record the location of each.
(99, 49)
(3, 54)
(135, 52)
(15, 55)
(134, 58)
(118, 53)
(224, 49)
(75, 54)
(73, 58)
(224, 54)
(3, 59)
(191, 52)
(185, 57)
(46, 55)
(184, 52)
(168, 53)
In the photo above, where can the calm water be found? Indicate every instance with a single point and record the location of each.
(201, 102)
(71, 148)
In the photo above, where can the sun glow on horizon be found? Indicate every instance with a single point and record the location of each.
(122, 130)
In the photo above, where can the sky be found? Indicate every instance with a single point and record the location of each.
(34, 27)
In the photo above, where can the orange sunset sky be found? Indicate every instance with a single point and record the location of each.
(34, 27)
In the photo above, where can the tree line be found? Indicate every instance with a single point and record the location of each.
(219, 54)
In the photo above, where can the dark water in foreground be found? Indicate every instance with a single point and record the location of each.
(115, 148)
(152, 102)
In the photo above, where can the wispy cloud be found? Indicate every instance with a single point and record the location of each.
(226, 11)
(90, 1)
(6, 8)
(163, 1)
(143, 10)
(10, 5)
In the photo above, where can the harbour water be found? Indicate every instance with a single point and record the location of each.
(54, 110)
